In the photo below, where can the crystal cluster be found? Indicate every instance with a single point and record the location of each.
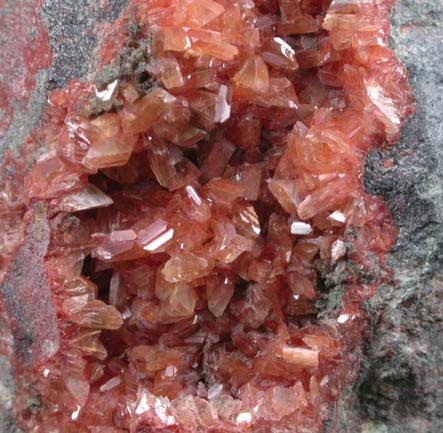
(190, 214)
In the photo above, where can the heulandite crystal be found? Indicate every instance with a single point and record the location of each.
(164, 249)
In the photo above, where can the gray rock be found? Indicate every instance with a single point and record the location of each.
(73, 27)
(401, 383)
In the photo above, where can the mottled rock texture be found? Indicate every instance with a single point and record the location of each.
(400, 387)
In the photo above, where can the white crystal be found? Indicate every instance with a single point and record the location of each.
(111, 384)
(160, 406)
(300, 228)
(337, 216)
(222, 107)
(338, 250)
(76, 413)
(143, 406)
(324, 381)
(343, 318)
(106, 95)
(244, 417)
(126, 313)
(192, 193)
(215, 390)
(285, 48)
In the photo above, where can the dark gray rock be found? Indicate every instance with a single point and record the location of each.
(72, 26)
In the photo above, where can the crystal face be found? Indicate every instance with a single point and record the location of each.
(164, 253)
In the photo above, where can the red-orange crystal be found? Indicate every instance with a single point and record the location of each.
(187, 221)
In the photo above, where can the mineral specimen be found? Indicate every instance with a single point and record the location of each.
(161, 259)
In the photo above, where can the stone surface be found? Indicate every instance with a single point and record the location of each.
(415, 207)
(401, 384)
